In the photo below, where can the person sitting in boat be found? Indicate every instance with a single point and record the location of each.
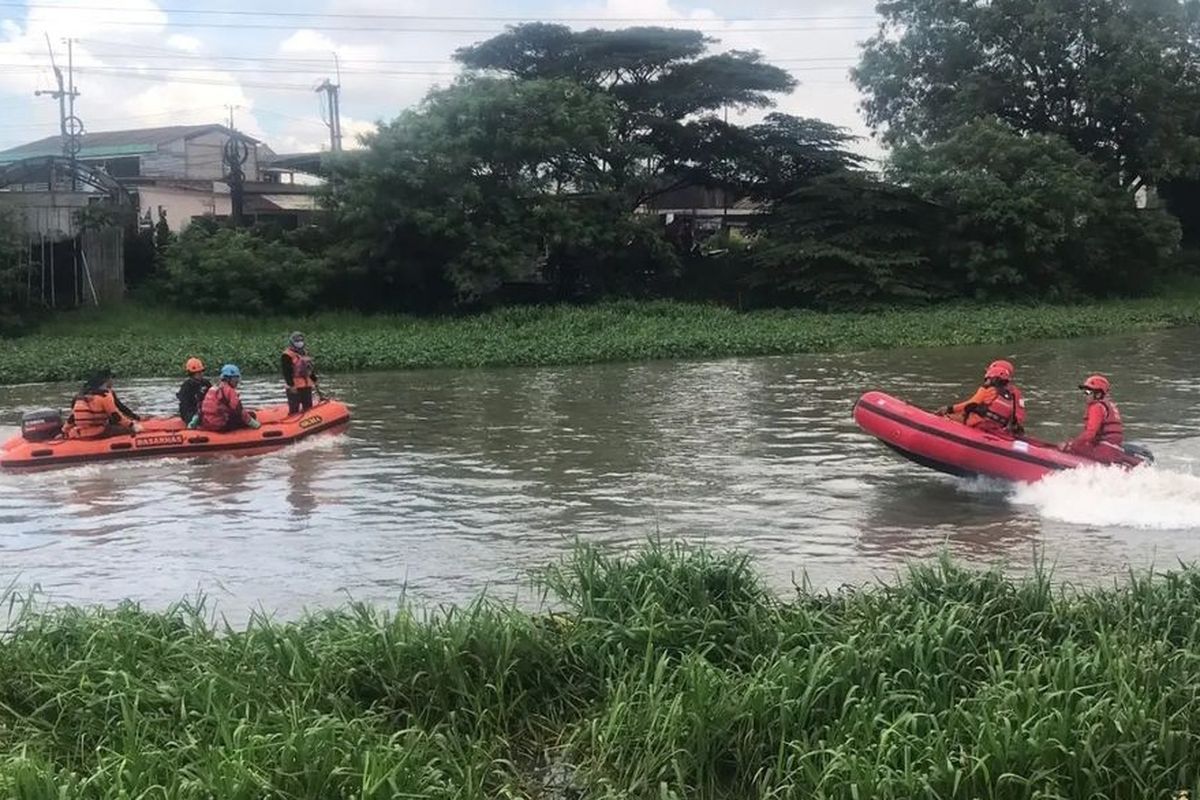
(97, 412)
(191, 391)
(1103, 432)
(221, 410)
(298, 373)
(996, 407)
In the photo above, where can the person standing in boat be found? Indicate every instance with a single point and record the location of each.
(191, 391)
(97, 412)
(298, 373)
(221, 410)
(996, 407)
(1103, 432)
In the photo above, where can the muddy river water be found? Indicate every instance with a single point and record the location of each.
(449, 483)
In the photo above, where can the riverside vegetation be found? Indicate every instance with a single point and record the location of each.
(143, 342)
(544, 174)
(666, 673)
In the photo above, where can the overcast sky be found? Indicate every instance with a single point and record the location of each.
(142, 63)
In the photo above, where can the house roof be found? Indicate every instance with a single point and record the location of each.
(109, 144)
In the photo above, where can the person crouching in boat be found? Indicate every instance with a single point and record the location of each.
(97, 412)
(996, 407)
(298, 373)
(191, 391)
(221, 410)
(1103, 432)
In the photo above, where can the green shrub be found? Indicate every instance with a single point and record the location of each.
(849, 240)
(14, 307)
(1031, 217)
(233, 271)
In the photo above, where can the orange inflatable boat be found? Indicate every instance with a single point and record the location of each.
(41, 444)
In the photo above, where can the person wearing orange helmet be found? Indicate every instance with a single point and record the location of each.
(191, 391)
(996, 407)
(1103, 432)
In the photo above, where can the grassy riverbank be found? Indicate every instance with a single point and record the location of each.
(143, 342)
(670, 673)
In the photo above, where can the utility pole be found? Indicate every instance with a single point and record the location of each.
(231, 108)
(70, 127)
(334, 122)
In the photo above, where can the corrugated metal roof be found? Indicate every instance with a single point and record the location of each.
(106, 144)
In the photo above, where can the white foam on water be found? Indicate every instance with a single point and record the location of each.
(1148, 498)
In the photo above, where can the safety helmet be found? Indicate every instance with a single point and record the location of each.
(1001, 370)
(230, 371)
(194, 365)
(1096, 383)
(100, 377)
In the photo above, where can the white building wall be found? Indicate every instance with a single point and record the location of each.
(181, 205)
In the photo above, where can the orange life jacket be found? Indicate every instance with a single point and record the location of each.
(302, 369)
(92, 413)
(1112, 430)
(1005, 410)
(220, 406)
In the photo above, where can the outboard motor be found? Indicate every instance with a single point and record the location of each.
(1139, 451)
(41, 425)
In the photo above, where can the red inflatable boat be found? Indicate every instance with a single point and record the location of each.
(949, 446)
(38, 447)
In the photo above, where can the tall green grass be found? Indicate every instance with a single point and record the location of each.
(667, 673)
(141, 342)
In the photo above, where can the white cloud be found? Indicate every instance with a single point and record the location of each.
(381, 72)
(77, 18)
(188, 44)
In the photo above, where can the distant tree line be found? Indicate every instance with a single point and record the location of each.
(1026, 142)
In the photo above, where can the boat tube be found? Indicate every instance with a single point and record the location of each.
(948, 446)
(41, 443)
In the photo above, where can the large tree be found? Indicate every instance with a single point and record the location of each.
(470, 190)
(849, 240)
(665, 86)
(1117, 79)
(1031, 217)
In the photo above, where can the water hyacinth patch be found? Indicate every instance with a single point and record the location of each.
(147, 343)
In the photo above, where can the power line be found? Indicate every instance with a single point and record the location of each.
(143, 69)
(449, 18)
(324, 61)
(168, 113)
(474, 31)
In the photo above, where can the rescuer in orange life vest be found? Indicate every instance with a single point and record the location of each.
(996, 407)
(222, 410)
(191, 391)
(1103, 432)
(97, 413)
(298, 374)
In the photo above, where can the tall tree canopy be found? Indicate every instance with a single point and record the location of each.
(1030, 216)
(453, 197)
(665, 86)
(1119, 80)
